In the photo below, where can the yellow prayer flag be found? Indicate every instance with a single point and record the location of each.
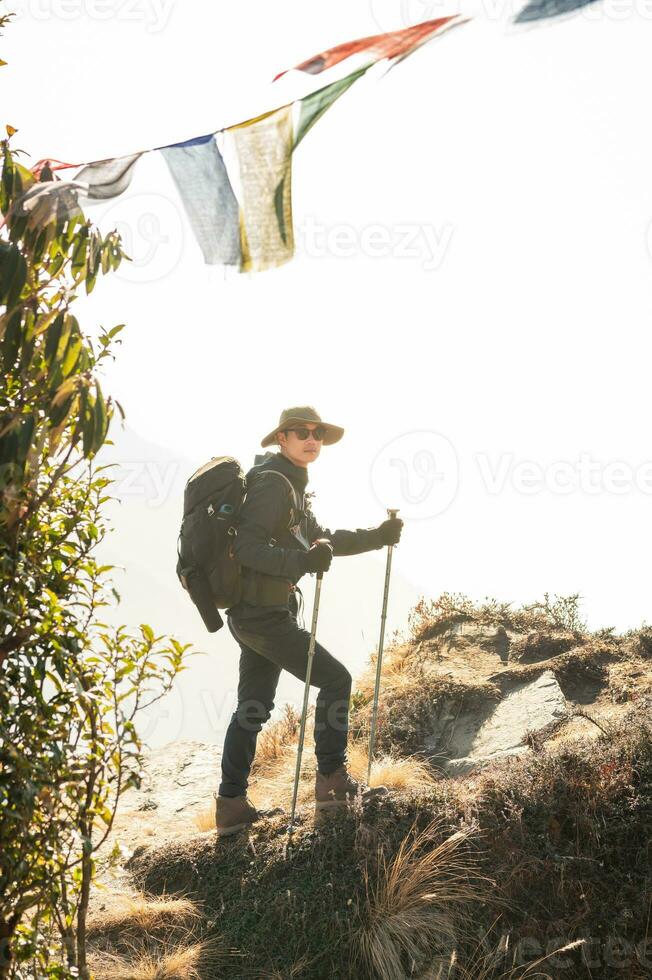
(264, 150)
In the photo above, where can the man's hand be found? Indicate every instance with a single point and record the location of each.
(390, 530)
(320, 556)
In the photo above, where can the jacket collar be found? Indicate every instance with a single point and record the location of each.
(298, 475)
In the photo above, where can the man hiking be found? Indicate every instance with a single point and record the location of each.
(278, 540)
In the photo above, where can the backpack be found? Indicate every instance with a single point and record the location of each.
(206, 565)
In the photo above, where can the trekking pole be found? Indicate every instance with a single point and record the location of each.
(374, 714)
(306, 695)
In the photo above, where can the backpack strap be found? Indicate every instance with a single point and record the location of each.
(293, 524)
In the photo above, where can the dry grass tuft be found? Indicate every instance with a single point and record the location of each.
(152, 939)
(272, 773)
(179, 963)
(146, 915)
(137, 924)
(204, 820)
(273, 787)
(394, 772)
(431, 618)
(400, 672)
(272, 743)
(417, 902)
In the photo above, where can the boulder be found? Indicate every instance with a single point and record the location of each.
(467, 738)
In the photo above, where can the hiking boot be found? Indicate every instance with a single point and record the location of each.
(339, 788)
(233, 813)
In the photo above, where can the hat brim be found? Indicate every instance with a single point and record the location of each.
(333, 432)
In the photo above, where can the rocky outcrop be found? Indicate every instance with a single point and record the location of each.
(466, 739)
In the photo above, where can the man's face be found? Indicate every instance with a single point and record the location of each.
(300, 451)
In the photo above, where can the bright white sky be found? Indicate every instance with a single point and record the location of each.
(493, 381)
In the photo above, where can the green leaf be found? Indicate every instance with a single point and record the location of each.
(44, 322)
(100, 419)
(147, 632)
(11, 341)
(54, 337)
(79, 253)
(13, 273)
(88, 423)
(72, 353)
(25, 433)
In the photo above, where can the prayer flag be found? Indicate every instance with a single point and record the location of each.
(52, 165)
(200, 175)
(108, 178)
(49, 201)
(315, 105)
(542, 9)
(389, 45)
(264, 150)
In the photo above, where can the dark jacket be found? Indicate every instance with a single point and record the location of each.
(272, 556)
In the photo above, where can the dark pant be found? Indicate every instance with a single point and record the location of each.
(271, 641)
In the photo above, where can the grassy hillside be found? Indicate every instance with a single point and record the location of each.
(535, 864)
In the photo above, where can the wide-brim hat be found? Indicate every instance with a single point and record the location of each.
(299, 415)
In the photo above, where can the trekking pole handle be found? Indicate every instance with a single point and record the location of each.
(320, 575)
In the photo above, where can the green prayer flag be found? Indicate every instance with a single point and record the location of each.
(315, 105)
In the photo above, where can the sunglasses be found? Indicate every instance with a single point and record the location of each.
(303, 432)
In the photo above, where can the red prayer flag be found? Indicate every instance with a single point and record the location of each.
(389, 45)
(53, 165)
